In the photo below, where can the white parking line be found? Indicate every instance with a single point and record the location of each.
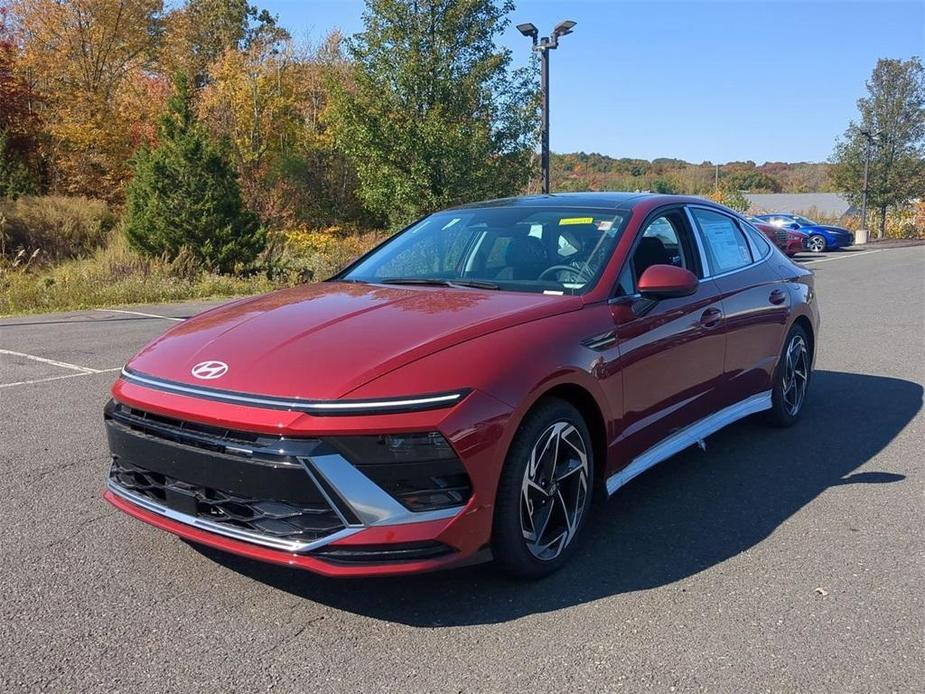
(843, 257)
(58, 378)
(138, 313)
(52, 362)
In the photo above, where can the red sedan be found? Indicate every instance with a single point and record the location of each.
(467, 389)
(790, 241)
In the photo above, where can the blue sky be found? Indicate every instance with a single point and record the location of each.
(718, 81)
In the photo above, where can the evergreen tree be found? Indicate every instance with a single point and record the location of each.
(15, 176)
(184, 195)
(435, 117)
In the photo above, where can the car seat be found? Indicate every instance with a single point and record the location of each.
(651, 251)
(525, 259)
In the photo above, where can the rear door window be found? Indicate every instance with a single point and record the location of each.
(726, 246)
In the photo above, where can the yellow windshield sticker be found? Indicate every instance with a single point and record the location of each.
(565, 221)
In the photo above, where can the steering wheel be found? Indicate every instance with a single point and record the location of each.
(581, 274)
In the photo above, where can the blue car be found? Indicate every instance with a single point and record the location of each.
(819, 237)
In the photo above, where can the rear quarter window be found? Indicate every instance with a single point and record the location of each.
(759, 240)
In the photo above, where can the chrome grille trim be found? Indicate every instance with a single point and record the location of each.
(234, 533)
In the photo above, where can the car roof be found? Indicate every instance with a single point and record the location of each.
(600, 199)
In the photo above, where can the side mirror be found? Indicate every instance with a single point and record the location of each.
(793, 225)
(666, 282)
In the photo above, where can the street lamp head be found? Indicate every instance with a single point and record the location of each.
(528, 30)
(563, 28)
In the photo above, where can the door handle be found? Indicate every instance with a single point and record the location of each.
(778, 296)
(711, 317)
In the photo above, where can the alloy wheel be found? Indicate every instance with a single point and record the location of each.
(795, 375)
(816, 244)
(554, 491)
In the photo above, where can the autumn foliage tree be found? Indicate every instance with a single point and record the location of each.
(268, 104)
(184, 196)
(90, 59)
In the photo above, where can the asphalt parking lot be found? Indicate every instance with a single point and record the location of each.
(775, 561)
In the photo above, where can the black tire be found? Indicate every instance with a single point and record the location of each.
(511, 549)
(816, 243)
(782, 413)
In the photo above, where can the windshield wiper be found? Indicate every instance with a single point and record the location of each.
(433, 281)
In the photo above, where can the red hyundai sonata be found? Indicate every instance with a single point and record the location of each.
(466, 389)
(790, 241)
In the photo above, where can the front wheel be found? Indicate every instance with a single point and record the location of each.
(791, 379)
(815, 243)
(545, 491)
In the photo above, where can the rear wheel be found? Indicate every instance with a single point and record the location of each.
(816, 243)
(791, 379)
(545, 491)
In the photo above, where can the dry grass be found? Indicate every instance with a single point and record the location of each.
(117, 275)
(907, 223)
(54, 227)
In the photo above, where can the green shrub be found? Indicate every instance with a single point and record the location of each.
(15, 177)
(185, 198)
(315, 255)
(57, 227)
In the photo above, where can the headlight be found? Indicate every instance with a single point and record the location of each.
(394, 448)
(414, 403)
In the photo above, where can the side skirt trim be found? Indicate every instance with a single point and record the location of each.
(687, 437)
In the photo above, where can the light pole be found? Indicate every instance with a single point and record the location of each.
(867, 135)
(543, 46)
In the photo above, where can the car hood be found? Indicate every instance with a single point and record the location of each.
(324, 340)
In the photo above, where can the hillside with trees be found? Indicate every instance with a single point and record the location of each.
(581, 171)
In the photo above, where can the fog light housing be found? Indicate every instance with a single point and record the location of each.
(420, 470)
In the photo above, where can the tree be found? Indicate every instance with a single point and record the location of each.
(435, 116)
(753, 181)
(85, 57)
(200, 32)
(730, 197)
(893, 113)
(18, 123)
(664, 186)
(185, 196)
(15, 176)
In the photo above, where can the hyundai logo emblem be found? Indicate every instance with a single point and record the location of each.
(207, 370)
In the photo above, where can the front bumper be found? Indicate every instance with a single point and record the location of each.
(290, 499)
(299, 561)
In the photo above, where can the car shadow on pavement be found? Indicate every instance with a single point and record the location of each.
(688, 514)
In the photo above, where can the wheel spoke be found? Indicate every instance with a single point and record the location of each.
(795, 375)
(554, 490)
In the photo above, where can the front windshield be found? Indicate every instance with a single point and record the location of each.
(803, 221)
(527, 249)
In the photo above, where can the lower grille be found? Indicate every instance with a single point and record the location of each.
(276, 519)
(294, 494)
